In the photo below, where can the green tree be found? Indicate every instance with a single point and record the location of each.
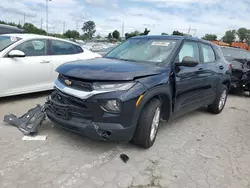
(89, 28)
(247, 40)
(146, 32)
(229, 36)
(72, 34)
(116, 34)
(210, 37)
(30, 28)
(164, 34)
(132, 34)
(178, 33)
(98, 36)
(109, 36)
(242, 34)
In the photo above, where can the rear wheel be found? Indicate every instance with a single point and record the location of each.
(148, 124)
(220, 101)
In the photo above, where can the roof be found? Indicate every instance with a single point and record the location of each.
(31, 36)
(173, 37)
(10, 27)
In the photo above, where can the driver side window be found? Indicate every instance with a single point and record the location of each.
(36, 47)
(189, 49)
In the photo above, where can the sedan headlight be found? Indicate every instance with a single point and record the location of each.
(113, 86)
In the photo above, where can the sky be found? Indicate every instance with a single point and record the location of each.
(202, 16)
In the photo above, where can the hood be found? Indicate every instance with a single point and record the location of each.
(108, 69)
(237, 63)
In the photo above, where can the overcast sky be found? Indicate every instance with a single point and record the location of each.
(207, 16)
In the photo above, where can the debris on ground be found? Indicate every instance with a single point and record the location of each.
(29, 122)
(37, 137)
(124, 158)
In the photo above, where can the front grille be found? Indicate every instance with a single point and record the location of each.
(76, 83)
(66, 106)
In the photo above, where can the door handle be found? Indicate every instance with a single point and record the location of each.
(221, 67)
(45, 61)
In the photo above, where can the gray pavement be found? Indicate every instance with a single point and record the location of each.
(197, 150)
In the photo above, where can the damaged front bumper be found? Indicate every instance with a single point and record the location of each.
(79, 116)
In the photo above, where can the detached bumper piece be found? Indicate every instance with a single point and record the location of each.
(29, 122)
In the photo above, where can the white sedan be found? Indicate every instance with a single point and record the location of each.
(28, 61)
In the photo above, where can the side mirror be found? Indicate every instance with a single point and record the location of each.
(188, 61)
(16, 53)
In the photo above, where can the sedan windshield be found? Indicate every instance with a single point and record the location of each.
(144, 50)
(6, 41)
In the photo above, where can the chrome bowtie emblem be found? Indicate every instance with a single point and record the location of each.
(67, 82)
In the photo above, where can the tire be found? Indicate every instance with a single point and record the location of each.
(144, 135)
(218, 105)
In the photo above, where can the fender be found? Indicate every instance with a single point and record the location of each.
(148, 95)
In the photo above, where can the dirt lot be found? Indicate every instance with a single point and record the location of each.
(196, 150)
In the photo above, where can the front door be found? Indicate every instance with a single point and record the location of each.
(191, 82)
(29, 73)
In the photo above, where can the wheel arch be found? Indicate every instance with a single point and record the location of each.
(226, 82)
(163, 93)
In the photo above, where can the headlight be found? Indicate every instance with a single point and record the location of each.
(113, 106)
(113, 86)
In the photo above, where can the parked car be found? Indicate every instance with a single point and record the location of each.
(28, 62)
(240, 60)
(5, 29)
(104, 51)
(124, 95)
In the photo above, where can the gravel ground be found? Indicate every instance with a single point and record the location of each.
(196, 150)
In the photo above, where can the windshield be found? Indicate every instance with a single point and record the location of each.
(233, 53)
(6, 41)
(144, 50)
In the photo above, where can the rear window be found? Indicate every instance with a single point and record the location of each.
(233, 53)
(6, 41)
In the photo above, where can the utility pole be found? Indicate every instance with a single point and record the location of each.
(189, 29)
(41, 23)
(195, 32)
(122, 29)
(24, 17)
(63, 27)
(76, 25)
(47, 14)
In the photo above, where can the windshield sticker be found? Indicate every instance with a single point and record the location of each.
(38, 45)
(160, 43)
(13, 39)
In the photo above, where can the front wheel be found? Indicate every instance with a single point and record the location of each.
(220, 101)
(148, 124)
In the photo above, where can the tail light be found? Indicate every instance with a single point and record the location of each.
(230, 65)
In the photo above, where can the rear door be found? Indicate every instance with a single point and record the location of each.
(213, 69)
(191, 82)
(61, 52)
(29, 73)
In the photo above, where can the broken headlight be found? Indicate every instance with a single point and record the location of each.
(99, 86)
(113, 106)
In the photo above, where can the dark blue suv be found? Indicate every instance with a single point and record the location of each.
(124, 95)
